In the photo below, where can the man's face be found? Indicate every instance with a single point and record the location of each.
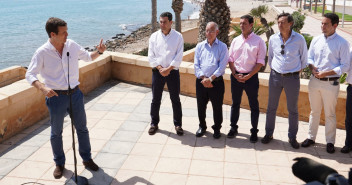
(326, 26)
(61, 36)
(165, 24)
(245, 26)
(211, 32)
(284, 25)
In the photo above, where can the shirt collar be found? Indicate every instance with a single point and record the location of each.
(249, 36)
(50, 46)
(331, 36)
(215, 42)
(171, 31)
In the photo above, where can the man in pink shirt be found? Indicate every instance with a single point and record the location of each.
(246, 57)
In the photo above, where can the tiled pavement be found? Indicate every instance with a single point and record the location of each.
(118, 116)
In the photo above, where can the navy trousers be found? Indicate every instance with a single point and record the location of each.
(173, 84)
(251, 88)
(348, 121)
(216, 97)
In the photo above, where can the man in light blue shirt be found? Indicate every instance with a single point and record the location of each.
(210, 62)
(287, 57)
(328, 58)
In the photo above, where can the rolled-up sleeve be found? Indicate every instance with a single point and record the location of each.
(345, 59)
(34, 68)
(311, 52)
(224, 57)
(197, 70)
(304, 54)
(176, 62)
(231, 51)
(261, 53)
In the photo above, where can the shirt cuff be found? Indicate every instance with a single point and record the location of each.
(31, 79)
(337, 70)
(199, 74)
(261, 61)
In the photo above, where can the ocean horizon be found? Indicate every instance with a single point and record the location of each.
(22, 29)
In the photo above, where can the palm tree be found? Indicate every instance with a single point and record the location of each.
(316, 6)
(257, 29)
(177, 6)
(154, 17)
(259, 12)
(215, 11)
(333, 6)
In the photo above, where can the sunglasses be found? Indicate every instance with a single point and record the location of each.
(282, 49)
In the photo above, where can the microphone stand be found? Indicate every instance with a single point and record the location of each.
(79, 180)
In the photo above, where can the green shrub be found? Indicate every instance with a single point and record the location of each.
(298, 19)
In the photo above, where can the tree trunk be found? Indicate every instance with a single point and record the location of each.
(300, 4)
(154, 16)
(323, 12)
(316, 6)
(215, 11)
(333, 6)
(269, 31)
(304, 4)
(177, 6)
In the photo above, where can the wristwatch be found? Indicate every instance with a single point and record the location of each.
(100, 53)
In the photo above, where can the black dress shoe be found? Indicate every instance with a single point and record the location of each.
(200, 132)
(294, 143)
(346, 149)
(266, 139)
(152, 130)
(59, 170)
(330, 148)
(179, 130)
(253, 138)
(232, 133)
(217, 134)
(307, 143)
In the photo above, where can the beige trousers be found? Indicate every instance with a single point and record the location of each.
(322, 94)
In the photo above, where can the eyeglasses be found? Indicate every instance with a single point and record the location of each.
(282, 49)
(210, 31)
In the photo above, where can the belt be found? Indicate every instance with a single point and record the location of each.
(155, 69)
(287, 74)
(67, 92)
(241, 73)
(329, 79)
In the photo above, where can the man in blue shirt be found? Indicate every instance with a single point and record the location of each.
(210, 62)
(328, 58)
(287, 57)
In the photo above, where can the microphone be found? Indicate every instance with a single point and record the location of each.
(68, 54)
(68, 71)
(309, 170)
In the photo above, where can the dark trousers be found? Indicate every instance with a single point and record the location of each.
(348, 121)
(251, 88)
(173, 84)
(216, 97)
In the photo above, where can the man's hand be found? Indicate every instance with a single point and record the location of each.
(164, 72)
(320, 74)
(245, 78)
(207, 83)
(238, 77)
(101, 47)
(48, 92)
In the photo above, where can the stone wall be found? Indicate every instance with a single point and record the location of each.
(11, 74)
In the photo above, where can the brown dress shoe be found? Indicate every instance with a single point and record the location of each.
(179, 130)
(152, 130)
(59, 170)
(91, 165)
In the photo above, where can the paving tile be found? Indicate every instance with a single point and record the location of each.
(143, 163)
(119, 116)
(241, 171)
(48, 182)
(118, 147)
(126, 177)
(107, 100)
(14, 140)
(95, 114)
(177, 151)
(160, 137)
(209, 154)
(101, 133)
(131, 136)
(19, 152)
(272, 158)
(173, 165)
(282, 174)
(207, 168)
(133, 126)
(103, 176)
(37, 169)
(17, 180)
(97, 144)
(6, 165)
(228, 181)
(209, 141)
(68, 173)
(196, 180)
(129, 101)
(147, 149)
(167, 178)
(108, 124)
(139, 117)
(42, 155)
(186, 139)
(124, 108)
(101, 107)
(110, 160)
(247, 156)
(34, 140)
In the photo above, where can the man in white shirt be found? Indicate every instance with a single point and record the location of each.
(328, 59)
(57, 62)
(165, 55)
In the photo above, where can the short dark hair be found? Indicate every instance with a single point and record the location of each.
(283, 14)
(167, 14)
(248, 17)
(333, 17)
(52, 25)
